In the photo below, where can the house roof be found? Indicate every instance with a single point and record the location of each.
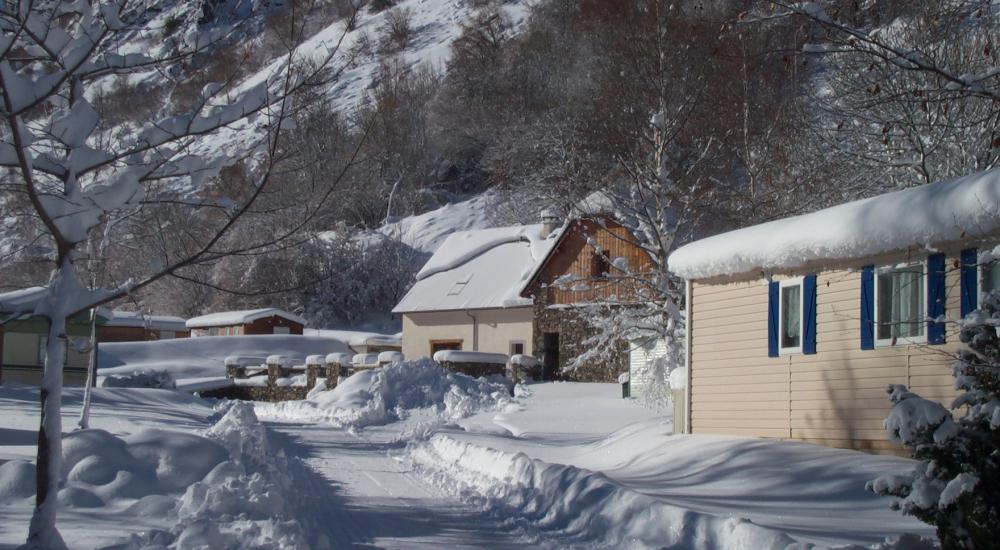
(138, 319)
(958, 210)
(229, 318)
(483, 269)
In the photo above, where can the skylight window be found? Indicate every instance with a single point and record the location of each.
(460, 285)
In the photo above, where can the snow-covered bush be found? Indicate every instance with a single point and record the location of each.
(955, 486)
(141, 378)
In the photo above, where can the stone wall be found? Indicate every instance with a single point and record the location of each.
(272, 391)
(573, 330)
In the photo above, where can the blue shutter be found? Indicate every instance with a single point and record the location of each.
(970, 281)
(868, 307)
(935, 297)
(809, 315)
(773, 302)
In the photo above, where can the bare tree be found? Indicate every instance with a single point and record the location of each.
(78, 178)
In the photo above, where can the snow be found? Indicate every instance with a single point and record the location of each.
(487, 268)
(523, 360)
(383, 395)
(364, 359)
(577, 462)
(962, 209)
(21, 301)
(229, 318)
(356, 338)
(457, 356)
(206, 357)
(343, 359)
(678, 378)
(390, 357)
(426, 232)
(138, 319)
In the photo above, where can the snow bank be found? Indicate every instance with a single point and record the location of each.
(456, 356)
(929, 215)
(206, 357)
(579, 506)
(390, 357)
(384, 395)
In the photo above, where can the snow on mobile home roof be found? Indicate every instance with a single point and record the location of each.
(488, 268)
(137, 319)
(21, 301)
(225, 318)
(937, 213)
(358, 338)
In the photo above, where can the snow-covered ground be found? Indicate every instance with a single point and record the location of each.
(413, 456)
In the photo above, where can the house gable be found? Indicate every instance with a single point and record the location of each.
(585, 265)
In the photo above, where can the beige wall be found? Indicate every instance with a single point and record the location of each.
(497, 329)
(21, 348)
(836, 397)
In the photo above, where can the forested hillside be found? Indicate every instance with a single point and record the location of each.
(689, 117)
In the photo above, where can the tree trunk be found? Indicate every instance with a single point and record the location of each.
(88, 390)
(42, 532)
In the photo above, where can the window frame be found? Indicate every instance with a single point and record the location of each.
(980, 269)
(512, 343)
(799, 282)
(905, 340)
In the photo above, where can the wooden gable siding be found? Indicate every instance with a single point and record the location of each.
(267, 325)
(836, 397)
(576, 256)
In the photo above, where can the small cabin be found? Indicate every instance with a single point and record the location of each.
(797, 326)
(246, 322)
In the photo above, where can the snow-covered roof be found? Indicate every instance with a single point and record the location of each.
(356, 338)
(137, 319)
(21, 301)
(957, 210)
(487, 268)
(229, 318)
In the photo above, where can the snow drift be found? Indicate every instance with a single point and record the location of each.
(206, 356)
(384, 395)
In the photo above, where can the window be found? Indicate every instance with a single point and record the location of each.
(214, 331)
(460, 285)
(990, 276)
(441, 345)
(282, 330)
(900, 304)
(599, 266)
(790, 322)
(517, 348)
(167, 334)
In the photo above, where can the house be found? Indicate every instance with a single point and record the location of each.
(498, 291)
(797, 326)
(246, 322)
(24, 338)
(132, 326)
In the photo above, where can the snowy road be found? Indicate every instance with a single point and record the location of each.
(363, 498)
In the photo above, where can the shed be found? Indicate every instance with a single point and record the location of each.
(135, 326)
(246, 322)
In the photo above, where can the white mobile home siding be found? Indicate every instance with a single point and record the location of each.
(836, 397)
(641, 355)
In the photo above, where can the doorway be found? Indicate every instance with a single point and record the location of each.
(550, 355)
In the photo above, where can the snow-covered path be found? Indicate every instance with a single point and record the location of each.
(364, 498)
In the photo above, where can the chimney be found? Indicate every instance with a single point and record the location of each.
(550, 221)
